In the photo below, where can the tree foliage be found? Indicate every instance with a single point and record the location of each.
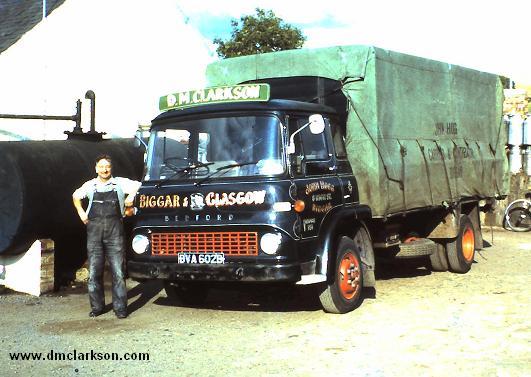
(260, 33)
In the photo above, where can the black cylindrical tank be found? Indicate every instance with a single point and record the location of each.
(37, 179)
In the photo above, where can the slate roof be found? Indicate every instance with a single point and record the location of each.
(17, 17)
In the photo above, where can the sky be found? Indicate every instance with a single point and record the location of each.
(158, 48)
(489, 35)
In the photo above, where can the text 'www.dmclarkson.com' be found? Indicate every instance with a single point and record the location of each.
(78, 356)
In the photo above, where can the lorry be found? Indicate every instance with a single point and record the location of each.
(306, 166)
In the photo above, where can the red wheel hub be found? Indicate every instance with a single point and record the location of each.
(467, 244)
(349, 276)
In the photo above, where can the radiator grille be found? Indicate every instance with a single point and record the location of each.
(229, 243)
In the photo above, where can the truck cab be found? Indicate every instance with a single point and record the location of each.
(246, 191)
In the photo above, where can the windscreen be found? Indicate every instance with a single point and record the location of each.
(221, 147)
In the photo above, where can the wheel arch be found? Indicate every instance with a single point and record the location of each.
(448, 225)
(341, 223)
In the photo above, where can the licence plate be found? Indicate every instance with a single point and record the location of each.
(201, 258)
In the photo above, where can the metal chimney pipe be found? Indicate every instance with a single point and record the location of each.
(92, 97)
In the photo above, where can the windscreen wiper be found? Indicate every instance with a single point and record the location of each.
(182, 171)
(226, 168)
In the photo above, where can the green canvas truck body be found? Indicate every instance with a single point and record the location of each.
(418, 132)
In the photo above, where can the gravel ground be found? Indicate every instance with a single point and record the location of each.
(417, 323)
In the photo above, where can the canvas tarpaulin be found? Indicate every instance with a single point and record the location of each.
(419, 132)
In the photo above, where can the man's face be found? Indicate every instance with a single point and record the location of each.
(104, 169)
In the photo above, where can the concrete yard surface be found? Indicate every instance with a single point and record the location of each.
(416, 323)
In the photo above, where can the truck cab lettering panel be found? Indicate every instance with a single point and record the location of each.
(212, 204)
(320, 195)
(198, 201)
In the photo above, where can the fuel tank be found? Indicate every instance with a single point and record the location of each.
(37, 179)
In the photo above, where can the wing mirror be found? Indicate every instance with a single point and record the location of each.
(317, 126)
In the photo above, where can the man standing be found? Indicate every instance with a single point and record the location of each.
(108, 196)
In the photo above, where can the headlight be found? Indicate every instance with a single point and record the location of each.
(270, 242)
(140, 243)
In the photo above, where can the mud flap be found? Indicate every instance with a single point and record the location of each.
(367, 258)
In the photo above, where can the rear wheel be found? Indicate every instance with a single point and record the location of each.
(438, 260)
(461, 250)
(186, 293)
(343, 294)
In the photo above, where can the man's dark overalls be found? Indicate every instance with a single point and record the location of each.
(105, 239)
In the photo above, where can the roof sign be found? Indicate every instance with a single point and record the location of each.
(220, 94)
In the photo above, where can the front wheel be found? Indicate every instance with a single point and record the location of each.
(343, 294)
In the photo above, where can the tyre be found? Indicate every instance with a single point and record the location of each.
(518, 216)
(187, 293)
(343, 294)
(438, 260)
(461, 250)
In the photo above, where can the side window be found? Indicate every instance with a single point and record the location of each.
(338, 136)
(312, 152)
(314, 147)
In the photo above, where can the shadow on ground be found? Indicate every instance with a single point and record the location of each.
(386, 270)
(256, 297)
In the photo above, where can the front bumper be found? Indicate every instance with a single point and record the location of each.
(224, 272)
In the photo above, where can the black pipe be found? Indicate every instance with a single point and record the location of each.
(78, 116)
(43, 117)
(77, 132)
(90, 95)
(75, 118)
